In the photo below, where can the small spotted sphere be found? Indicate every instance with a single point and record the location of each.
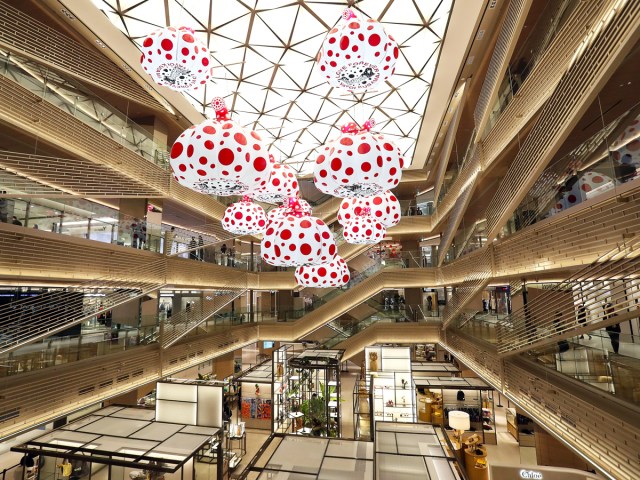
(244, 218)
(176, 59)
(357, 54)
(358, 164)
(384, 207)
(281, 185)
(298, 240)
(277, 214)
(332, 274)
(220, 157)
(363, 230)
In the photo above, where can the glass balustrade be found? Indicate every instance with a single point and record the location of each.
(609, 361)
(553, 17)
(77, 100)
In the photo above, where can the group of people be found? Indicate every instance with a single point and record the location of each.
(196, 248)
(394, 302)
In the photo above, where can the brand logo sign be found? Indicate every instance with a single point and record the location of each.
(530, 474)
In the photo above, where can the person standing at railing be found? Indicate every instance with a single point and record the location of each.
(201, 249)
(168, 240)
(582, 319)
(193, 253)
(613, 330)
(223, 255)
(4, 208)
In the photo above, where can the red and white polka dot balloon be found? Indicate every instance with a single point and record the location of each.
(358, 163)
(220, 157)
(357, 54)
(278, 214)
(332, 274)
(384, 207)
(363, 229)
(296, 240)
(282, 185)
(244, 218)
(176, 59)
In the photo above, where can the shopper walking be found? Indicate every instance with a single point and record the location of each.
(223, 255)
(193, 245)
(201, 249)
(613, 330)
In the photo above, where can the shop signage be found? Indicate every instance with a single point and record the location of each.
(530, 474)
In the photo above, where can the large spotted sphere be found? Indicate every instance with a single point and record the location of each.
(357, 54)
(176, 59)
(363, 230)
(384, 207)
(244, 218)
(332, 274)
(358, 165)
(282, 185)
(277, 214)
(298, 240)
(220, 157)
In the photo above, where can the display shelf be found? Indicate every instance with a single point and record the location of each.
(469, 395)
(362, 401)
(393, 397)
(521, 427)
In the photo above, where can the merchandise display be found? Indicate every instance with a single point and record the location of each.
(256, 400)
(521, 427)
(306, 391)
(437, 396)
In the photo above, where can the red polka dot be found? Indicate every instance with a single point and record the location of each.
(176, 150)
(225, 156)
(346, 141)
(260, 164)
(305, 224)
(377, 200)
(167, 44)
(364, 148)
(586, 188)
(209, 145)
(395, 52)
(388, 146)
(322, 271)
(240, 138)
(366, 166)
(202, 173)
(187, 37)
(332, 40)
(238, 215)
(182, 167)
(305, 249)
(597, 179)
(285, 234)
(255, 135)
(147, 42)
(185, 51)
(344, 43)
(374, 40)
(209, 129)
(336, 164)
(332, 249)
(205, 61)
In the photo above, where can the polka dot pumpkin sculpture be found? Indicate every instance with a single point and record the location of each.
(281, 185)
(220, 157)
(364, 229)
(357, 54)
(332, 274)
(175, 59)
(358, 163)
(297, 239)
(384, 207)
(244, 218)
(278, 214)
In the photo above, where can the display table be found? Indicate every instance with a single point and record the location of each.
(476, 470)
(424, 412)
(242, 443)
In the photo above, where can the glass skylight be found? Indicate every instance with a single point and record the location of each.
(264, 52)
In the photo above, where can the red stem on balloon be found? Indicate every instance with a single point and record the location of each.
(222, 113)
(348, 14)
(246, 198)
(352, 127)
(294, 208)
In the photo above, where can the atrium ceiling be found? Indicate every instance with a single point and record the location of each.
(264, 52)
